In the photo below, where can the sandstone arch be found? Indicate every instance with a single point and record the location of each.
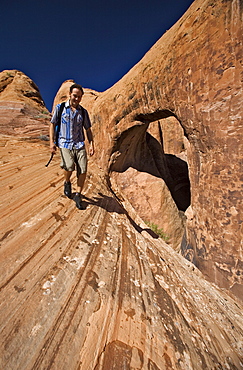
(194, 72)
(152, 180)
(93, 290)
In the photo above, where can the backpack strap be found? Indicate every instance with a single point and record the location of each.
(83, 111)
(58, 124)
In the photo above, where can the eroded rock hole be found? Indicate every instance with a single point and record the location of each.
(149, 167)
(166, 141)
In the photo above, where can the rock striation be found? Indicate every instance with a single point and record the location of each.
(98, 289)
(22, 109)
(188, 86)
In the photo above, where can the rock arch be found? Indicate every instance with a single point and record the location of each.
(193, 73)
(156, 182)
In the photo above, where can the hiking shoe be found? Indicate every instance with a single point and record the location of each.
(78, 200)
(68, 189)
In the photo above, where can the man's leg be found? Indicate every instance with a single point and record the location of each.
(80, 185)
(81, 157)
(68, 166)
(67, 183)
(67, 175)
(80, 182)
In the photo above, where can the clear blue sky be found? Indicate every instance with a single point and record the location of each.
(94, 42)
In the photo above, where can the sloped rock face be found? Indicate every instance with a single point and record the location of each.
(22, 110)
(191, 79)
(154, 163)
(192, 74)
(157, 204)
(96, 289)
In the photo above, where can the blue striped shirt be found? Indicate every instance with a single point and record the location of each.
(71, 133)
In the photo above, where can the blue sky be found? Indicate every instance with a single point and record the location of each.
(94, 42)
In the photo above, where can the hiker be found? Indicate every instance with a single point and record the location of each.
(70, 139)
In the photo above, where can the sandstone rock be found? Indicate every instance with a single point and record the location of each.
(193, 75)
(22, 109)
(169, 133)
(97, 289)
(69, 277)
(16, 86)
(151, 199)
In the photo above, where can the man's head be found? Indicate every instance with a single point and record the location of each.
(76, 93)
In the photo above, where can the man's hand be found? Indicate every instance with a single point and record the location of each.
(91, 148)
(53, 148)
(91, 141)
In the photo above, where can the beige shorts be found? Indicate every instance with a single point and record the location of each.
(74, 158)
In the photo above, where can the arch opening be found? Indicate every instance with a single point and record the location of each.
(156, 147)
(148, 168)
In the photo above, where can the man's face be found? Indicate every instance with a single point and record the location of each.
(75, 97)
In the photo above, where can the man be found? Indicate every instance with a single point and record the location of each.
(71, 141)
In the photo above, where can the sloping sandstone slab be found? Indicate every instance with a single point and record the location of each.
(22, 109)
(98, 289)
(193, 74)
(95, 289)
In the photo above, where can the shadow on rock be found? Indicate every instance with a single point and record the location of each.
(110, 204)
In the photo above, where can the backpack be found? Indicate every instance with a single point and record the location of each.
(58, 124)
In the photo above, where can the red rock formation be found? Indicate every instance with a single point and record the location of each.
(94, 289)
(22, 110)
(191, 75)
(97, 289)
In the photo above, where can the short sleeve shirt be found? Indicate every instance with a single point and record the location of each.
(71, 133)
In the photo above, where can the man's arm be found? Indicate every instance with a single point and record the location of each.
(91, 141)
(53, 122)
(53, 147)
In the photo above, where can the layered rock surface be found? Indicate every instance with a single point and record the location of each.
(22, 109)
(190, 78)
(98, 289)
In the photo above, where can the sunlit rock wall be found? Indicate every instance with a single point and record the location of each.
(192, 74)
(22, 109)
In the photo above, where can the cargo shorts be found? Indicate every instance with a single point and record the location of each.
(71, 158)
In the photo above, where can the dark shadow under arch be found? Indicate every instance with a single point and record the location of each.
(154, 116)
(138, 149)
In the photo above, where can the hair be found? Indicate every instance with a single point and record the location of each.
(76, 86)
